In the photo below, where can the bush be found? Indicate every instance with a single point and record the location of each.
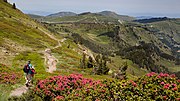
(74, 87)
(150, 87)
(8, 76)
(59, 87)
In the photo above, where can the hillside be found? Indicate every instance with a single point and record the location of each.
(19, 33)
(62, 14)
(108, 53)
(86, 17)
(167, 30)
(23, 39)
(128, 40)
(117, 16)
(35, 16)
(81, 18)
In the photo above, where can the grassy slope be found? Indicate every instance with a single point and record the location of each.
(114, 15)
(128, 32)
(19, 29)
(170, 31)
(21, 39)
(19, 33)
(93, 34)
(169, 27)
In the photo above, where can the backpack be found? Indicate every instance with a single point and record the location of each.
(26, 68)
(32, 71)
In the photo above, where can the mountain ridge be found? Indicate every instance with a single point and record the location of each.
(62, 14)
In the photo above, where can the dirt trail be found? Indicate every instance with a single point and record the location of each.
(19, 91)
(50, 62)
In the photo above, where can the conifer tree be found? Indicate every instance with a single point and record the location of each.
(83, 61)
(101, 65)
(6, 1)
(90, 62)
(14, 6)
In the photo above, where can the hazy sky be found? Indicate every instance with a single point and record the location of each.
(170, 8)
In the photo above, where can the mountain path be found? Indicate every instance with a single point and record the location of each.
(50, 62)
(19, 91)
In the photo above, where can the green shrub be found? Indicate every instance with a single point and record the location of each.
(151, 87)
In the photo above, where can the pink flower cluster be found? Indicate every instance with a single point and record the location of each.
(56, 86)
(161, 75)
(59, 97)
(133, 83)
(151, 74)
(9, 78)
(167, 86)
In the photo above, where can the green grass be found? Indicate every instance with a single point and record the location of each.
(132, 71)
(18, 27)
(175, 68)
(7, 88)
(68, 57)
(36, 60)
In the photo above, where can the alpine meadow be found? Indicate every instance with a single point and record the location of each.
(87, 56)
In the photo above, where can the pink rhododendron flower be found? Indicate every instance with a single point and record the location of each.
(59, 97)
(164, 97)
(178, 80)
(167, 84)
(158, 76)
(166, 87)
(162, 83)
(175, 89)
(174, 85)
(133, 83)
(151, 74)
(172, 75)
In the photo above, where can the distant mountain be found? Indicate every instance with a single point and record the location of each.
(86, 17)
(62, 14)
(151, 20)
(85, 13)
(117, 16)
(144, 17)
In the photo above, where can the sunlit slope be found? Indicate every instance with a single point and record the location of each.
(19, 33)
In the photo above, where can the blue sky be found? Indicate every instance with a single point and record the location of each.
(170, 8)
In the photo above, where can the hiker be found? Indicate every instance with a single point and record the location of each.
(31, 74)
(27, 71)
